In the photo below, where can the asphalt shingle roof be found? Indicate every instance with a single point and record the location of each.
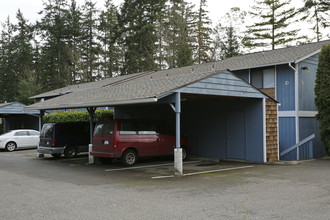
(153, 84)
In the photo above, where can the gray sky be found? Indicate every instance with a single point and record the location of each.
(216, 8)
(30, 8)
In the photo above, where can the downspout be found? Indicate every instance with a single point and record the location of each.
(296, 91)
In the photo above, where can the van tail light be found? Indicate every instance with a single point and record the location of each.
(53, 142)
(115, 143)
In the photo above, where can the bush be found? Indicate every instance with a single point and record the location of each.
(55, 117)
(322, 93)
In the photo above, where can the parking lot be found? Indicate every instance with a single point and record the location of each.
(39, 188)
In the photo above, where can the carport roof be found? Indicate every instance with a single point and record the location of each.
(15, 108)
(254, 60)
(147, 89)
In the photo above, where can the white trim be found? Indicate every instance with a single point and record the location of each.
(307, 114)
(282, 114)
(309, 55)
(275, 78)
(278, 135)
(296, 83)
(264, 129)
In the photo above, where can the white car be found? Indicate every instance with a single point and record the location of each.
(16, 139)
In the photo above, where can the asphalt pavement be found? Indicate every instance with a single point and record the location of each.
(47, 188)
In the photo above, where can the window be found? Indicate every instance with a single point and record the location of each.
(127, 128)
(33, 133)
(147, 128)
(21, 133)
(98, 129)
(108, 128)
(263, 79)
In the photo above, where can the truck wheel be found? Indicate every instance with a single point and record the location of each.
(70, 152)
(129, 158)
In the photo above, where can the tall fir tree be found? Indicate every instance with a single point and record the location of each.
(317, 12)
(90, 47)
(322, 94)
(138, 33)
(55, 55)
(203, 34)
(8, 75)
(271, 28)
(110, 54)
(227, 37)
(180, 37)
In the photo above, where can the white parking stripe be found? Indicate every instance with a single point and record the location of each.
(203, 172)
(148, 166)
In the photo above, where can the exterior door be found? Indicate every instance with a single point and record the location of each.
(236, 144)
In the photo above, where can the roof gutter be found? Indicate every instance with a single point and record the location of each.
(292, 67)
(92, 104)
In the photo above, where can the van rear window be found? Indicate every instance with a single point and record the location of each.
(47, 130)
(104, 128)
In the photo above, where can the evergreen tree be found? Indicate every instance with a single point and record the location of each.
(271, 28)
(227, 40)
(90, 48)
(317, 12)
(8, 76)
(322, 94)
(138, 33)
(180, 35)
(203, 34)
(55, 63)
(110, 51)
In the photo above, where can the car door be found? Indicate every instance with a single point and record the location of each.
(34, 138)
(22, 139)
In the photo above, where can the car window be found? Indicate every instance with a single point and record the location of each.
(98, 129)
(108, 128)
(147, 128)
(47, 130)
(33, 133)
(21, 133)
(127, 128)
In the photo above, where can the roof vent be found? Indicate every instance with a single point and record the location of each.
(193, 69)
(167, 75)
(213, 66)
(150, 77)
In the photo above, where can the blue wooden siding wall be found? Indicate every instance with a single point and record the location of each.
(287, 135)
(285, 92)
(243, 74)
(307, 75)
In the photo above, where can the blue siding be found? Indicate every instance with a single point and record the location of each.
(307, 83)
(287, 135)
(243, 74)
(309, 126)
(285, 92)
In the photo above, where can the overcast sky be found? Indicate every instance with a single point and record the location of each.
(30, 8)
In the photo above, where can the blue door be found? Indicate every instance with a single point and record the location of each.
(236, 144)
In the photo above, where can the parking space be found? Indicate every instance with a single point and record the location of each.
(154, 168)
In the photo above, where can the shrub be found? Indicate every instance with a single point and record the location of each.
(77, 116)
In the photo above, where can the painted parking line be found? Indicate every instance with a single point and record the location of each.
(203, 172)
(148, 166)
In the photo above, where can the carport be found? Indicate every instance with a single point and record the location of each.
(222, 115)
(15, 117)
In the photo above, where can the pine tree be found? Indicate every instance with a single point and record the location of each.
(55, 64)
(8, 76)
(110, 51)
(322, 94)
(90, 48)
(203, 34)
(227, 40)
(317, 12)
(271, 29)
(138, 33)
(180, 37)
